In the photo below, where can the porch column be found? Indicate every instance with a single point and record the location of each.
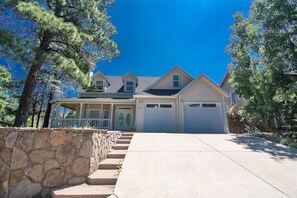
(111, 117)
(57, 114)
(80, 112)
(64, 109)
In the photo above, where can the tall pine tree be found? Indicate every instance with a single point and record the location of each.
(71, 34)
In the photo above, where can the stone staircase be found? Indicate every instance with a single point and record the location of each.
(101, 183)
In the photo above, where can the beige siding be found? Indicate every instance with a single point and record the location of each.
(202, 90)
(167, 81)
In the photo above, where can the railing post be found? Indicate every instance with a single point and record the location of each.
(80, 112)
(111, 116)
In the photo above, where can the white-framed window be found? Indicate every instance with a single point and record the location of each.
(130, 86)
(94, 113)
(232, 98)
(176, 82)
(99, 85)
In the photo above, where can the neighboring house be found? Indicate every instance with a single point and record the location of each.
(175, 102)
(235, 101)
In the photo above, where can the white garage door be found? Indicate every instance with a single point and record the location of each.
(159, 117)
(203, 118)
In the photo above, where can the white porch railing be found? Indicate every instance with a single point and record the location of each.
(82, 123)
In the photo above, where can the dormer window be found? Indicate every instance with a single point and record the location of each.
(176, 83)
(99, 85)
(130, 86)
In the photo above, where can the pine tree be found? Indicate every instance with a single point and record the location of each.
(71, 34)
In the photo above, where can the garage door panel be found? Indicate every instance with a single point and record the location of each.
(159, 117)
(203, 118)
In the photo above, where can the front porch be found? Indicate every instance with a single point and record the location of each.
(94, 113)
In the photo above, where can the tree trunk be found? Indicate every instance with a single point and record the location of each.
(23, 109)
(40, 110)
(48, 110)
(33, 113)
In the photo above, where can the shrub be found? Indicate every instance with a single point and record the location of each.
(286, 141)
(293, 145)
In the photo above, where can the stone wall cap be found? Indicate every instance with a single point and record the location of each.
(30, 129)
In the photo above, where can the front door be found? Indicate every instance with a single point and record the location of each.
(124, 118)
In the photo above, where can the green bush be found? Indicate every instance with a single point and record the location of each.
(286, 141)
(293, 145)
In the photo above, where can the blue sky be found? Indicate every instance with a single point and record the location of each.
(156, 35)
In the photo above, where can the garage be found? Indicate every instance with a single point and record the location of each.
(159, 117)
(203, 117)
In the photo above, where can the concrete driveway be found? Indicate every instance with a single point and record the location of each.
(202, 165)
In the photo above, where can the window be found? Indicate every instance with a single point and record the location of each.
(194, 105)
(233, 98)
(94, 114)
(165, 106)
(130, 86)
(99, 85)
(209, 105)
(152, 106)
(175, 80)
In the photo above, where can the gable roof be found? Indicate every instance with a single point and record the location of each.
(216, 87)
(225, 78)
(130, 74)
(175, 68)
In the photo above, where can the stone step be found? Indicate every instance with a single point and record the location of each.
(103, 177)
(110, 163)
(124, 141)
(117, 154)
(84, 191)
(127, 134)
(125, 138)
(120, 147)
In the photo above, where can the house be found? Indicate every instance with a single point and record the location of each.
(175, 102)
(237, 123)
(235, 102)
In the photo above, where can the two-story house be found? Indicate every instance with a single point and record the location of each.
(175, 102)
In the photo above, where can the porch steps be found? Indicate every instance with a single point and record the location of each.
(103, 177)
(121, 147)
(102, 182)
(117, 154)
(127, 134)
(84, 191)
(110, 163)
(124, 141)
(125, 138)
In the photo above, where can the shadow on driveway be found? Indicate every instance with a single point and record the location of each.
(277, 151)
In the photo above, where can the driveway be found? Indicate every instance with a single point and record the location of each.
(203, 165)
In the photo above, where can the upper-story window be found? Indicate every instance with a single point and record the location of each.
(130, 86)
(176, 82)
(233, 98)
(99, 85)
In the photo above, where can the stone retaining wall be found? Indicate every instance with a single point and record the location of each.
(34, 160)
